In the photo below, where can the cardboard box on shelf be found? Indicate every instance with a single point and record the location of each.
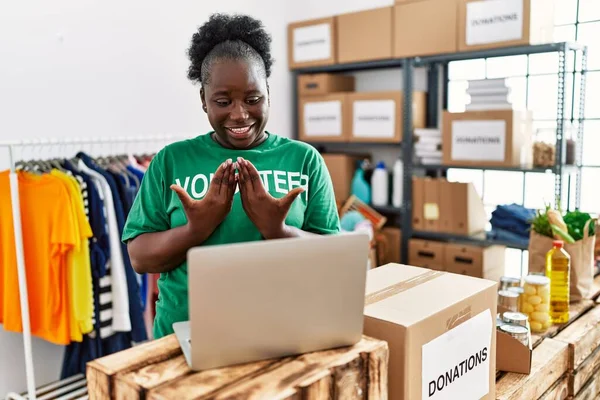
(468, 215)
(323, 118)
(312, 43)
(440, 330)
(341, 168)
(427, 254)
(484, 24)
(321, 84)
(501, 138)
(431, 204)
(425, 27)
(390, 246)
(418, 199)
(446, 205)
(365, 35)
(476, 261)
(377, 116)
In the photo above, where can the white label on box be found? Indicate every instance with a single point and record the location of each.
(323, 118)
(478, 140)
(493, 21)
(312, 43)
(456, 365)
(374, 118)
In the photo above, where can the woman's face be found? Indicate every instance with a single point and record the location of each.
(236, 100)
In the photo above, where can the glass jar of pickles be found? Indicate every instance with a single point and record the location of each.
(535, 302)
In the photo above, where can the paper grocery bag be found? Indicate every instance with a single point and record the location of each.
(582, 261)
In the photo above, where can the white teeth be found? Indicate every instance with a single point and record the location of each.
(240, 130)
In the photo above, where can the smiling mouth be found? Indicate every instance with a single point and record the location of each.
(240, 132)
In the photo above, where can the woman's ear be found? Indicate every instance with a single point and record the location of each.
(203, 99)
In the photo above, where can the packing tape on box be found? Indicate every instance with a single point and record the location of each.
(401, 287)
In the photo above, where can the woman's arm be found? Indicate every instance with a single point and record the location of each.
(166, 248)
(158, 252)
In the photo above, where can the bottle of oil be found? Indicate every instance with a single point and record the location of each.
(558, 269)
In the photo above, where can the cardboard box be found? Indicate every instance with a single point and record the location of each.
(377, 116)
(431, 204)
(440, 330)
(427, 254)
(446, 210)
(312, 43)
(418, 199)
(390, 252)
(365, 35)
(484, 24)
(468, 215)
(425, 27)
(323, 118)
(512, 355)
(476, 261)
(321, 84)
(341, 168)
(501, 138)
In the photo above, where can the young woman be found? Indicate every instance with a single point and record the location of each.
(238, 183)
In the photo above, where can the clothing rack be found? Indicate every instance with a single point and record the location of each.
(18, 234)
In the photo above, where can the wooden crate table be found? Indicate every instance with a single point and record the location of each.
(157, 370)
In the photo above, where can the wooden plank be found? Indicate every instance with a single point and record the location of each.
(583, 337)
(549, 363)
(350, 369)
(584, 373)
(591, 390)
(203, 383)
(576, 310)
(100, 373)
(135, 384)
(560, 390)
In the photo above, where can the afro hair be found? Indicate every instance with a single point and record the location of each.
(231, 37)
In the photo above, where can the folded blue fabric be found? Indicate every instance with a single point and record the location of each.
(513, 218)
(507, 236)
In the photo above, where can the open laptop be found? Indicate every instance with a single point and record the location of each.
(269, 299)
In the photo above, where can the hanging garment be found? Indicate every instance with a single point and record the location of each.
(48, 235)
(121, 321)
(79, 274)
(138, 331)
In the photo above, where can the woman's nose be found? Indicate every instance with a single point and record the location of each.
(238, 112)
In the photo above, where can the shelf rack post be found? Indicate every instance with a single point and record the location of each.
(580, 122)
(407, 156)
(560, 125)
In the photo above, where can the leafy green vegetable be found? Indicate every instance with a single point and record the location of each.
(540, 223)
(575, 221)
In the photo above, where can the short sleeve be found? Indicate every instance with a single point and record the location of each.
(321, 213)
(148, 212)
(64, 232)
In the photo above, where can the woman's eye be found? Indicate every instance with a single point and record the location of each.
(222, 103)
(253, 99)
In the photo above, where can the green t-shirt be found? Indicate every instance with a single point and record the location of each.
(282, 164)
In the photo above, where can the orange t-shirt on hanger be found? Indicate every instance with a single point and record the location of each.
(48, 235)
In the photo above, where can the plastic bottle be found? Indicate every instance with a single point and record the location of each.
(397, 188)
(558, 269)
(360, 187)
(380, 185)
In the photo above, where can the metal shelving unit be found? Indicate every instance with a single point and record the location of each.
(438, 67)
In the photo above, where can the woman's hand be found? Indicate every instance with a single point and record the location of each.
(265, 211)
(210, 211)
